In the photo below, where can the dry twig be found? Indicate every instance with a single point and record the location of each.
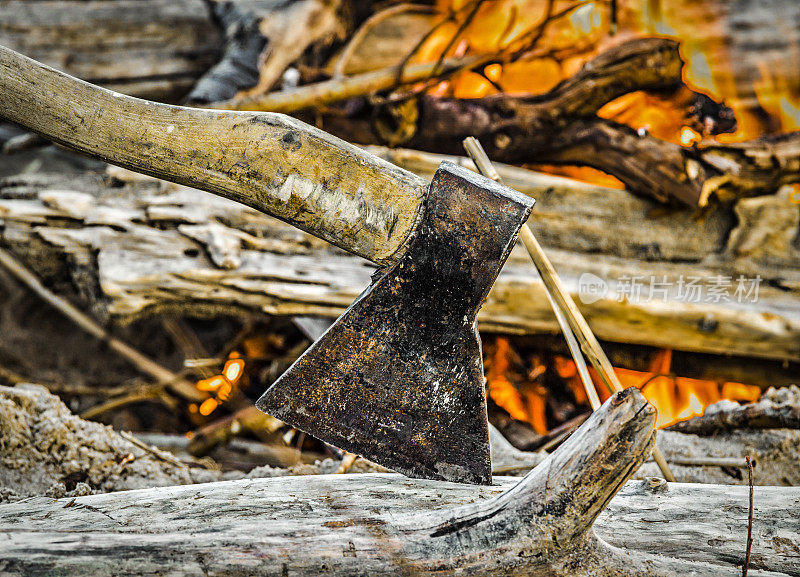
(749, 518)
(140, 361)
(563, 303)
(338, 89)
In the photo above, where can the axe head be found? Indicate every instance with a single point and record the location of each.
(398, 378)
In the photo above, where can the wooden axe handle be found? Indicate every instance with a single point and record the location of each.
(268, 161)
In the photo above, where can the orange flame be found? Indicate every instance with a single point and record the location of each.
(522, 406)
(674, 398)
(583, 29)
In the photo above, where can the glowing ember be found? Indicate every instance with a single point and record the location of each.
(207, 407)
(211, 384)
(689, 136)
(222, 385)
(233, 370)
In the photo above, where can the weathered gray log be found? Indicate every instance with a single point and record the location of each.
(721, 458)
(268, 161)
(384, 525)
(149, 48)
(140, 247)
(777, 408)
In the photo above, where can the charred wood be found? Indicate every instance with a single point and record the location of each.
(561, 127)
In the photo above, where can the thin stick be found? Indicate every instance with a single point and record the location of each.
(134, 397)
(563, 303)
(735, 463)
(485, 167)
(140, 361)
(338, 89)
(749, 518)
(158, 453)
(187, 342)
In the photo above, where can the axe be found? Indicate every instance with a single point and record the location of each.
(398, 378)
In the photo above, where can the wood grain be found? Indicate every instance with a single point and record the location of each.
(140, 248)
(379, 524)
(271, 162)
(147, 48)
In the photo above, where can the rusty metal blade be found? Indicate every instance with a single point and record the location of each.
(398, 378)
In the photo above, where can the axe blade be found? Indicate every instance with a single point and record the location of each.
(398, 378)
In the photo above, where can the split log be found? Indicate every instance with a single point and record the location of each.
(141, 248)
(383, 524)
(149, 48)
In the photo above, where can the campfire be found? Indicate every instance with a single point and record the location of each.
(548, 395)
(444, 244)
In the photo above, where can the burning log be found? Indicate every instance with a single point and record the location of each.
(561, 127)
(153, 48)
(777, 408)
(543, 525)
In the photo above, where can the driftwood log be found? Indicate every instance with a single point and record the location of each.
(777, 408)
(136, 247)
(149, 48)
(384, 525)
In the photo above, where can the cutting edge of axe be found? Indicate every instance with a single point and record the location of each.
(403, 363)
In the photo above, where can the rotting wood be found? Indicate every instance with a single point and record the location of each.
(384, 525)
(149, 48)
(132, 250)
